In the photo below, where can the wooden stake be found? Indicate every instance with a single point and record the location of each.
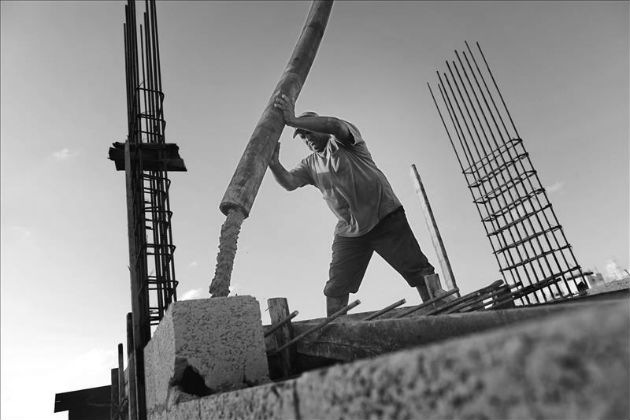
(279, 311)
(436, 238)
(113, 407)
(121, 380)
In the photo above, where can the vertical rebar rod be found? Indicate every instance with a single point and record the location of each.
(137, 266)
(514, 180)
(470, 165)
(470, 161)
(156, 183)
(466, 151)
(146, 130)
(498, 91)
(510, 153)
(508, 218)
(537, 196)
(448, 134)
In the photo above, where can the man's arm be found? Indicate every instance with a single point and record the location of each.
(287, 180)
(321, 124)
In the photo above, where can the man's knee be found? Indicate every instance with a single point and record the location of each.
(332, 289)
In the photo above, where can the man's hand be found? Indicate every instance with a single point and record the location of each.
(286, 106)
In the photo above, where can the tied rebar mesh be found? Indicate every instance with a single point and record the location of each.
(527, 240)
(152, 233)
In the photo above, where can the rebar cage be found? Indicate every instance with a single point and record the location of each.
(527, 240)
(151, 206)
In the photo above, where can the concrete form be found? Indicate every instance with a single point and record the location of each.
(574, 365)
(204, 346)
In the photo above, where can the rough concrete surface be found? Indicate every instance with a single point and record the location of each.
(231, 228)
(612, 286)
(204, 346)
(575, 365)
(271, 401)
(159, 366)
(188, 410)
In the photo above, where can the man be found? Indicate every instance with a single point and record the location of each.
(370, 215)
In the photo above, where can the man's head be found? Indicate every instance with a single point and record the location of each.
(315, 141)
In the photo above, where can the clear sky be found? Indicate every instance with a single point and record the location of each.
(562, 66)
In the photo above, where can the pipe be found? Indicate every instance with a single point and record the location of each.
(384, 310)
(243, 188)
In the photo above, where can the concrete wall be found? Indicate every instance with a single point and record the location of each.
(574, 365)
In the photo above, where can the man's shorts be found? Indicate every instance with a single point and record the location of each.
(392, 239)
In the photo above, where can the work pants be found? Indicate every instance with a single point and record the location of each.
(394, 241)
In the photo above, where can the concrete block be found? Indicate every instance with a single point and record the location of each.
(570, 366)
(271, 401)
(157, 414)
(187, 410)
(205, 346)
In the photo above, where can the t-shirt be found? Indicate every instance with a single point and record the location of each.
(356, 191)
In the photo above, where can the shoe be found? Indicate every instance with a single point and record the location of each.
(435, 287)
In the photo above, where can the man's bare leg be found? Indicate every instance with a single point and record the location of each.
(333, 304)
(423, 292)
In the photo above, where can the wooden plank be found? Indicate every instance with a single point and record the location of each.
(278, 311)
(155, 157)
(114, 408)
(436, 238)
(121, 381)
(131, 371)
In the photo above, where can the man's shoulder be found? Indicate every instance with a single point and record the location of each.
(357, 137)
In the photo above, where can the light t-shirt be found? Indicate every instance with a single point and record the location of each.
(356, 191)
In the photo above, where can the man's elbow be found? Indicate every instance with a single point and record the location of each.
(286, 184)
(289, 186)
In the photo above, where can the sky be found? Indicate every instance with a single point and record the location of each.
(562, 67)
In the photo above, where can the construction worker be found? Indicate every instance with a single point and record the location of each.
(371, 218)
